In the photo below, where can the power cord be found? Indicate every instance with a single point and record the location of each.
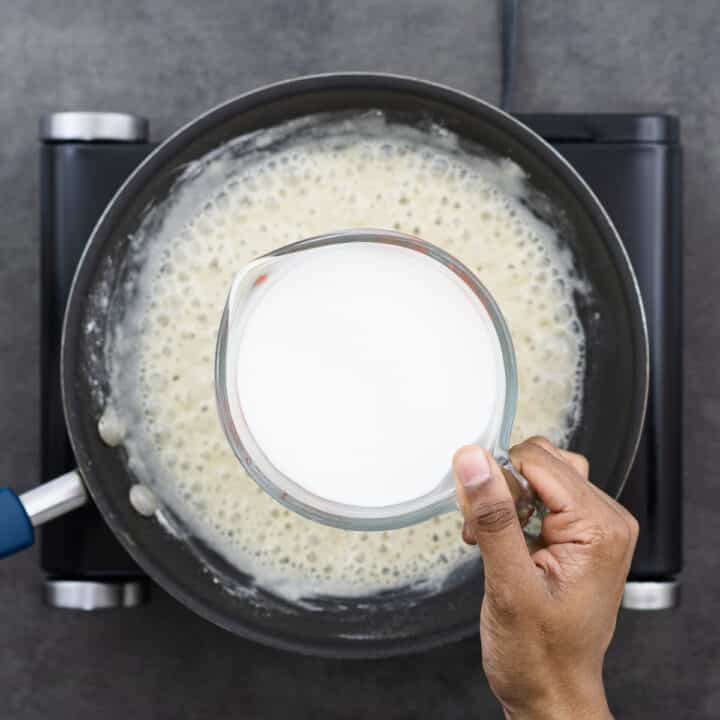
(508, 49)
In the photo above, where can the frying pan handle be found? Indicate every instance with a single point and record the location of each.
(19, 515)
(527, 503)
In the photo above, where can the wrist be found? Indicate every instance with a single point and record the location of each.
(585, 712)
(565, 701)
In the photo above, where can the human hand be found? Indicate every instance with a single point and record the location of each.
(547, 616)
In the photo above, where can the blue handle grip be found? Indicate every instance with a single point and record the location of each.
(16, 530)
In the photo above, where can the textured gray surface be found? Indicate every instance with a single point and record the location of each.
(170, 60)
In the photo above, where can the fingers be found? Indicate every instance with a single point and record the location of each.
(580, 464)
(580, 511)
(575, 460)
(548, 474)
(490, 519)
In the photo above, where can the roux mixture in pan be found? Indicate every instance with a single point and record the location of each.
(243, 202)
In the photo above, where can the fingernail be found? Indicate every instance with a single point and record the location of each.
(472, 467)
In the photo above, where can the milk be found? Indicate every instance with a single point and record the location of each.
(362, 367)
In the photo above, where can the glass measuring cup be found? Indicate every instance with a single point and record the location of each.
(248, 288)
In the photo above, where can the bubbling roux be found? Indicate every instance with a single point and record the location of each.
(264, 191)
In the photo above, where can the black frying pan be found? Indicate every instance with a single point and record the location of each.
(401, 621)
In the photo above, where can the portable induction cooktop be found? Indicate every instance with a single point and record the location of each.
(632, 162)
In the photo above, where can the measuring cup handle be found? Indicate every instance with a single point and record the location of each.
(527, 503)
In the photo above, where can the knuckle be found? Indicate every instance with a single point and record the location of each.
(634, 527)
(495, 516)
(596, 535)
(578, 527)
(622, 533)
(540, 441)
(524, 453)
(582, 465)
(618, 535)
(630, 521)
(531, 447)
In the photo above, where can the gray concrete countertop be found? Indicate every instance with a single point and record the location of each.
(172, 59)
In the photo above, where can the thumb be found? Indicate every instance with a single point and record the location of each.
(490, 517)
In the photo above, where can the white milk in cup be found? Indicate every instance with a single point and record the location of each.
(350, 367)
